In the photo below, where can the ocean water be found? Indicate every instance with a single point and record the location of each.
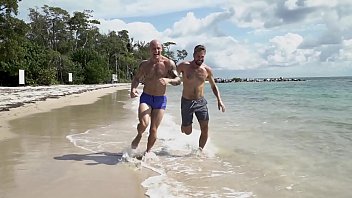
(276, 139)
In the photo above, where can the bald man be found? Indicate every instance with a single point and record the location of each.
(155, 73)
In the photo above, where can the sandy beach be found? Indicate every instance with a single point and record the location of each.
(18, 102)
(50, 166)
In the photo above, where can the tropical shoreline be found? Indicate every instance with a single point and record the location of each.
(16, 102)
(46, 175)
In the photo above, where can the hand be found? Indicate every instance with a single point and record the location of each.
(221, 106)
(134, 93)
(164, 81)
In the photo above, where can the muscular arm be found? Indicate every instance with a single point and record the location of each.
(180, 70)
(172, 77)
(215, 89)
(136, 80)
(174, 74)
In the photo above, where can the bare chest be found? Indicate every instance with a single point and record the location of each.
(157, 70)
(199, 74)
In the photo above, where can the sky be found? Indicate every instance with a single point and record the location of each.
(244, 38)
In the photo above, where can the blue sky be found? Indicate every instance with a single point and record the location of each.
(244, 38)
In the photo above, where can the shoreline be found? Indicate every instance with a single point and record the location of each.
(55, 178)
(51, 100)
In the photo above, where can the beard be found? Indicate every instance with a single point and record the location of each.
(199, 62)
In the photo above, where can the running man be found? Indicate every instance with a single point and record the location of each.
(155, 73)
(194, 75)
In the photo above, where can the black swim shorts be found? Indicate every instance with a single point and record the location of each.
(198, 107)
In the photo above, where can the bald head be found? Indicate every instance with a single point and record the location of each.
(155, 48)
(154, 42)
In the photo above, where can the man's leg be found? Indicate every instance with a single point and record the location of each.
(187, 129)
(156, 117)
(187, 116)
(204, 133)
(203, 119)
(144, 112)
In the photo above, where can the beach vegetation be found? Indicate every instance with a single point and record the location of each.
(54, 43)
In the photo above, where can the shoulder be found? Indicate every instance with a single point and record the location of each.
(209, 71)
(184, 63)
(207, 68)
(143, 65)
(168, 62)
(143, 62)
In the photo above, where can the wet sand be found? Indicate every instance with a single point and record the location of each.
(37, 160)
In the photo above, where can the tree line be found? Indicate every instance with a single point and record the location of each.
(53, 44)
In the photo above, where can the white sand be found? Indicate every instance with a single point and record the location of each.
(41, 99)
(62, 178)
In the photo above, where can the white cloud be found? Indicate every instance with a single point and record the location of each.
(155, 7)
(140, 31)
(188, 24)
(251, 14)
(345, 54)
(291, 4)
(111, 9)
(235, 57)
(225, 53)
(319, 29)
(192, 25)
(284, 51)
(317, 3)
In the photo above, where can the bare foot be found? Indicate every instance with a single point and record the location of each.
(136, 141)
(200, 149)
(187, 133)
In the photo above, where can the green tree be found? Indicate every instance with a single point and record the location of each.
(57, 21)
(181, 55)
(36, 64)
(12, 37)
(167, 51)
(91, 62)
(95, 72)
(54, 44)
(140, 51)
(84, 29)
(38, 28)
(9, 7)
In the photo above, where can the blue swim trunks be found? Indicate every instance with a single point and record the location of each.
(156, 102)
